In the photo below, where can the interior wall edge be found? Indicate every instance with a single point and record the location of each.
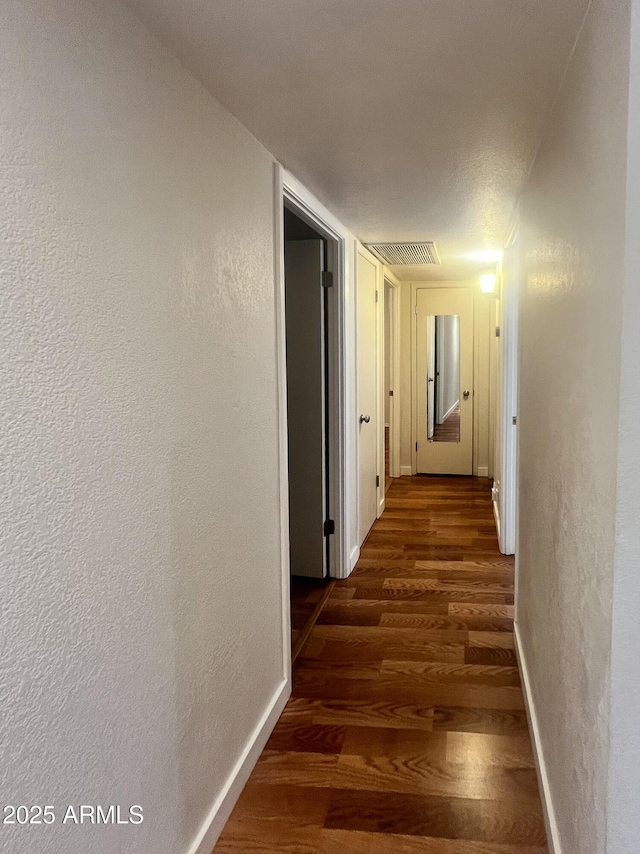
(569, 333)
(622, 814)
(224, 803)
(553, 834)
(305, 201)
(354, 558)
(148, 308)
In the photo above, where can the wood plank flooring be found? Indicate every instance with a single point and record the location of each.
(406, 732)
(387, 461)
(449, 430)
(308, 595)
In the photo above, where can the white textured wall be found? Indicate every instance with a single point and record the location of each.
(623, 817)
(573, 244)
(140, 593)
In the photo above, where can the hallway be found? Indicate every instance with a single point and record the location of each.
(465, 179)
(406, 731)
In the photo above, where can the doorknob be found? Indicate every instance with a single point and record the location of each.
(465, 394)
(364, 419)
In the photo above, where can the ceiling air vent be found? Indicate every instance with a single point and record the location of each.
(405, 253)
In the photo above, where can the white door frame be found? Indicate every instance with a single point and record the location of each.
(415, 287)
(506, 509)
(394, 419)
(379, 368)
(289, 191)
(448, 457)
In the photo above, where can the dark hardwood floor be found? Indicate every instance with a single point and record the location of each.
(449, 430)
(406, 732)
(387, 461)
(308, 595)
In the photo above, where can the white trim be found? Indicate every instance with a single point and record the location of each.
(356, 542)
(342, 447)
(283, 442)
(394, 426)
(553, 835)
(223, 805)
(483, 471)
(476, 385)
(406, 471)
(354, 557)
(379, 367)
(450, 410)
(336, 427)
(495, 503)
(494, 389)
(509, 401)
(414, 381)
(380, 401)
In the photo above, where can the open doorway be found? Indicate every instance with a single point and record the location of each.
(317, 326)
(308, 278)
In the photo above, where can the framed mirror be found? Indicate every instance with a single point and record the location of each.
(443, 378)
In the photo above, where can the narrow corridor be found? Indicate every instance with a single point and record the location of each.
(406, 731)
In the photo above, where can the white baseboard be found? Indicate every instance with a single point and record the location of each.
(406, 471)
(449, 411)
(553, 836)
(354, 558)
(483, 471)
(223, 805)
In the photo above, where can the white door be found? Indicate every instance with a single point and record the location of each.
(431, 374)
(505, 459)
(445, 443)
(367, 394)
(304, 301)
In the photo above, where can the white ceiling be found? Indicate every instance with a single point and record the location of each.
(410, 119)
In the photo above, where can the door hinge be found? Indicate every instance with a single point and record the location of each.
(377, 295)
(377, 480)
(416, 446)
(391, 393)
(514, 420)
(327, 279)
(497, 331)
(329, 527)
